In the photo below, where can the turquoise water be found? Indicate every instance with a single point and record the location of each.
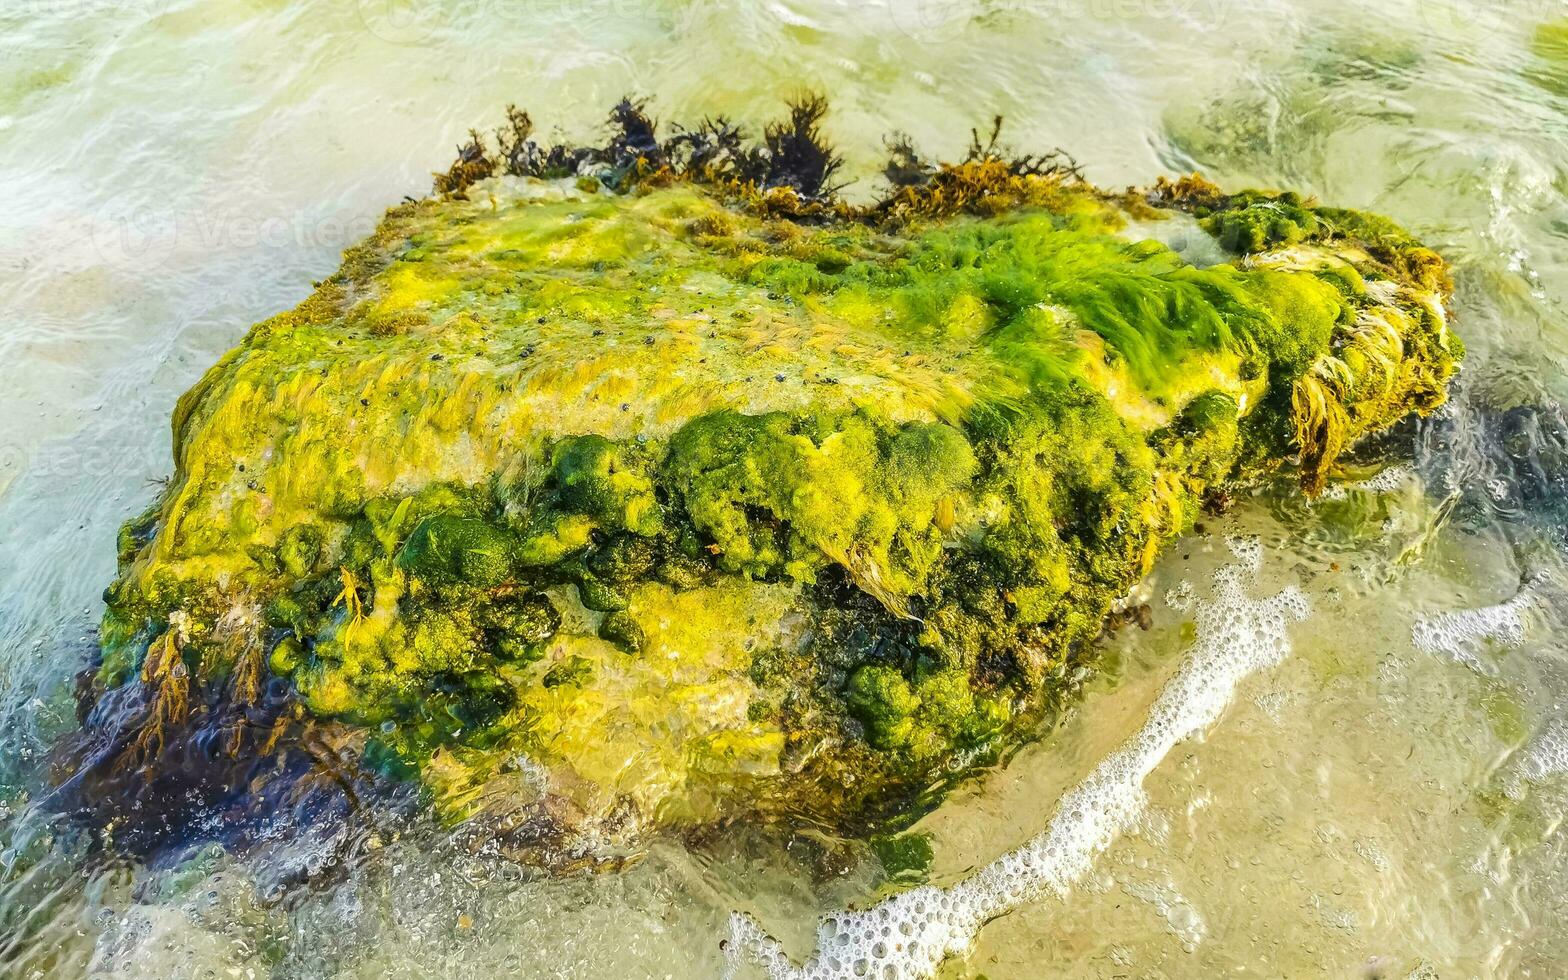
(1381, 797)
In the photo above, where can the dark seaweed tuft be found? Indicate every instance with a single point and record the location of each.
(473, 164)
(519, 154)
(788, 173)
(1055, 164)
(798, 155)
(905, 166)
(634, 144)
(633, 150)
(715, 151)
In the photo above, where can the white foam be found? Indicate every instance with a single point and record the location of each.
(1460, 633)
(1387, 480)
(909, 935)
(1547, 753)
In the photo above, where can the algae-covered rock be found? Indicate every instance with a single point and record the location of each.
(647, 485)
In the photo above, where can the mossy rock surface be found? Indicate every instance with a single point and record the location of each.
(695, 497)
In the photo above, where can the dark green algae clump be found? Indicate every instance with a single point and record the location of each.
(649, 485)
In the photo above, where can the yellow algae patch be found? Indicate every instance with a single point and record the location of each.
(669, 726)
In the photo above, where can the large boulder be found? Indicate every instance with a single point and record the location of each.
(648, 485)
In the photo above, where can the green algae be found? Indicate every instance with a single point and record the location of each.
(1549, 45)
(905, 858)
(706, 492)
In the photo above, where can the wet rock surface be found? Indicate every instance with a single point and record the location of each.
(647, 486)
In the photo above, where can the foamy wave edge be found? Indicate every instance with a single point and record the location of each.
(909, 935)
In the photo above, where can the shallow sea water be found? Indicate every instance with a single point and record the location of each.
(1379, 794)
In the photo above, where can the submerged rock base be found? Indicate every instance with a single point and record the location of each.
(649, 485)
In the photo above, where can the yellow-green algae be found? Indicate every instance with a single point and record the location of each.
(676, 496)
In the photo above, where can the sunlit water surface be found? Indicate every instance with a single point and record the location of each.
(1382, 798)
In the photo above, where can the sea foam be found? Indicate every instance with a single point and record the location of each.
(909, 935)
(1462, 633)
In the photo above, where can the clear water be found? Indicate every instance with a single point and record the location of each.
(1382, 796)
